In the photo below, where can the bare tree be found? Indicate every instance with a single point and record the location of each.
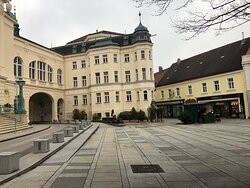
(222, 15)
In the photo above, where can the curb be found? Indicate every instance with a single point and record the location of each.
(8, 139)
(47, 156)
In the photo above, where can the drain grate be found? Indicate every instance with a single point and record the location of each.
(147, 168)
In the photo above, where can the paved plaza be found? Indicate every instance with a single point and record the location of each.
(211, 155)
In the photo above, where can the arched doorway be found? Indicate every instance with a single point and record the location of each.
(60, 109)
(40, 108)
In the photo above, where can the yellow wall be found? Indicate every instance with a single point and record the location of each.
(239, 84)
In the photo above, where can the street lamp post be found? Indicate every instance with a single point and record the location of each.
(20, 107)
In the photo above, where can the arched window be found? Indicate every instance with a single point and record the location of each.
(145, 94)
(50, 74)
(18, 67)
(32, 70)
(59, 76)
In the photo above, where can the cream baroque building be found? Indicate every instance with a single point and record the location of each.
(103, 72)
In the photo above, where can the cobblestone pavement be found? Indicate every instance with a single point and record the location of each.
(212, 155)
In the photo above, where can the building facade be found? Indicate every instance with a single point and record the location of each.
(103, 72)
(215, 79)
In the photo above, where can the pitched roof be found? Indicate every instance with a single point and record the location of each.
(217, 61)
(159, 75)
(83, 38)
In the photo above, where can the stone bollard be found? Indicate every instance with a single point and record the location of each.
(9, 162)
(75, 129)
(68, 132)
(58, 137)
(41, 146)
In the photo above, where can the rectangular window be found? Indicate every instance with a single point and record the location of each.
(142, 54)
(190, 90)
(106, 77)
(216, 85)
(84, 100)
(117, 96)
(32, 69)
(169, 93)
(115, 58)
(97, 61)
(127, 75)
(150, 55)
(75, 100)
(162, 94)
(151, 74)
(138, 95)
(74, 65)
(230, 82)
(177, 92)
(97, 78)
(116, 76)
(128, 96)
(105, 58)
(126, 58)
(41, 70)
(83, 64)
(98, 98)
(106, 97)
(204, 87)
(84, 81)
(145, 95)
(136, 74)
(50, 74)
(74, 81)
(135, 56)
(144, 73)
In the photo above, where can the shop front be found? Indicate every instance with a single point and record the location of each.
(227, 106)
(171, 109)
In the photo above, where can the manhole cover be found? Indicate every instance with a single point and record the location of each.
(146, 169)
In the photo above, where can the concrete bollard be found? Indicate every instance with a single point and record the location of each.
(41, 146)
(75, 129)
(58, 137)
(9, 162)
(68, 132)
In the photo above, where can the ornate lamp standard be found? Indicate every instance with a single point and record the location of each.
(20, 107)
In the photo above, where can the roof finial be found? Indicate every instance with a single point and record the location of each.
(15, 10)
(140, 16)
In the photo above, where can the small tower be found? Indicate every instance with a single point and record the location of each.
(141, 32)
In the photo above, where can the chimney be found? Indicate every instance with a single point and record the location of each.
(243, 39)
(178, 61)
(160, 68)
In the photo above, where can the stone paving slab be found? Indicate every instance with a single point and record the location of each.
(212, 155)
(30, 161)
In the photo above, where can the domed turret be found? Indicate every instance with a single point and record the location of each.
(141, 32)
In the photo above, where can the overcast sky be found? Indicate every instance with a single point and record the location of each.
(56, 22)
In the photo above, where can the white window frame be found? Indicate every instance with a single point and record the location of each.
(32, 70)
(117, 96)
(230, 83)
(126, 58)
(41, 70)
(74, 65)
(59, 76)
(84, 81)
(97, 60)
(136, 74)
(116, 78)
(97, 78)
(145, 95)
(204, 87)
(50, 74)
(18, 69)
(129, 96)
(84, 65)
(162, 94)
(84, 99)
(127, 76)
(106, 97)
(75, 84)
(216, 85)
(75, 100)
(115, 58)
(105, 58)
(144, 74)
(106, 76)
(98, 98)
(178, 92)
(143, 55)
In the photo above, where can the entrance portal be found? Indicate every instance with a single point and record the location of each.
(40, 108)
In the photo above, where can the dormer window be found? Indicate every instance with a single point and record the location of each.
(74, 49)
(83, 47)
